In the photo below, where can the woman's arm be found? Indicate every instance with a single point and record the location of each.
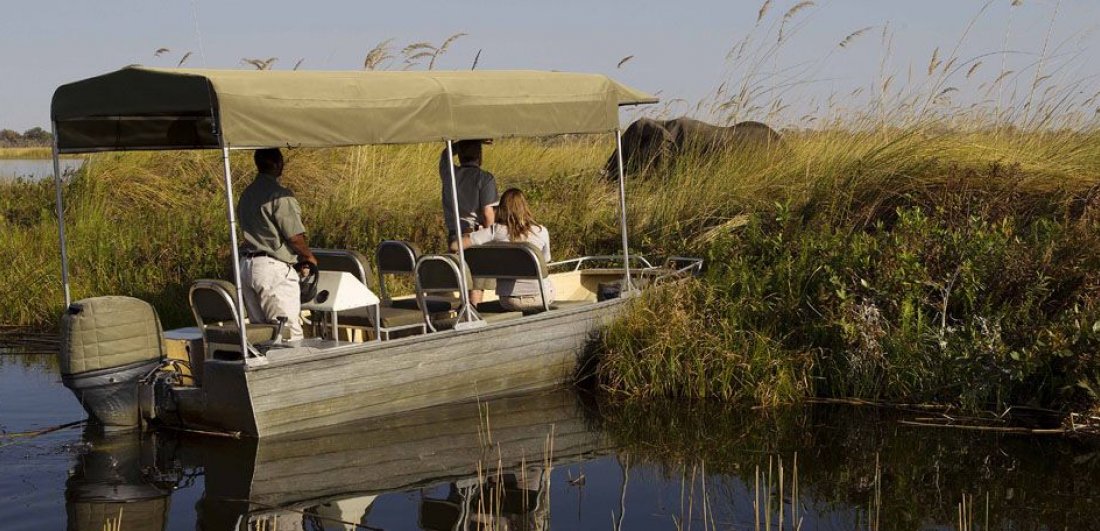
(546, 248)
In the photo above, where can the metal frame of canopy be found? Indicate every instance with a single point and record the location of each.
(466, 313)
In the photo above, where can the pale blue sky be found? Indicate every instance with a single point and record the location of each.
(679, 47)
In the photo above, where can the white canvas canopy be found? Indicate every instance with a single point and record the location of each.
(156, 108)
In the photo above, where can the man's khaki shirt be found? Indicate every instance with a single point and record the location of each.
(269, 216)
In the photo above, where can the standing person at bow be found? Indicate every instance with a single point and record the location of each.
(275, 240)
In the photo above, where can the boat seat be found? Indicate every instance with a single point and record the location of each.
(393, 318)
(509, 260)
(398, 258)
(449, 322)
(227, 334)
(492, 311)
(213, 303)
(435, 305)
(568, 305)
(437, 274)
(345, 260)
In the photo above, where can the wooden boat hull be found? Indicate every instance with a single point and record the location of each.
(307, 388)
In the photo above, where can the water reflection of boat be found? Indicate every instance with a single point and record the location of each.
(482, 463)
(109, 486)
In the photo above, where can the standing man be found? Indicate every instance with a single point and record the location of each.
(477, 195)
(275, 240)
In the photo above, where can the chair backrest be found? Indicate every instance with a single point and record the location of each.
(344, 260)
(512, 260)
(395, 257)
(436, 273)
(439, 272)
(213, 301)
(509, 260)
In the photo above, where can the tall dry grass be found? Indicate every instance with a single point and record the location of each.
(25, 153)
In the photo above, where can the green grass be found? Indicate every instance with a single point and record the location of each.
(894, 265)
(956, 268)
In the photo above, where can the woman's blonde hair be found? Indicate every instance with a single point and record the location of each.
(514, 213)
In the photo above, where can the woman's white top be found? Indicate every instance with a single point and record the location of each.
(540, 237)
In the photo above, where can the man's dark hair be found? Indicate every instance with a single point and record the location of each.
(468, 151)
(267, 159)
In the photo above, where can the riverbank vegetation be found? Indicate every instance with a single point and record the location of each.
(33, 137)
(902, 266)
(935, 241)
(24, 153)
(955, 268)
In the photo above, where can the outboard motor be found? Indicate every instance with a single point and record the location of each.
(107, 345)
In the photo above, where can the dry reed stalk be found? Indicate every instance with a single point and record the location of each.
(114, 523)
(756, 498)
(375, 56)
(878, 492)
(795, 519)
(261, 64)
(443, 48)
(780, 492)
(790, 14)
(854, 35)
(763, 10)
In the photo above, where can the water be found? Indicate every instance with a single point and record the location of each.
(35, 169)
(546, 461)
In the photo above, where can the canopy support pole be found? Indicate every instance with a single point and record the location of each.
(622, 211)
(465, 313)
(60, 216)
(232, 216)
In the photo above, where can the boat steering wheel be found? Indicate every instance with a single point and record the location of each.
(307, 283)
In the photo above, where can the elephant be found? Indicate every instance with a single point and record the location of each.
(650, 144)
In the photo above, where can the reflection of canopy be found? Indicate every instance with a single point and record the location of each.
(155, 108)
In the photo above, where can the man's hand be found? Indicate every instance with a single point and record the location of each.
(466, 243)
(300, 246)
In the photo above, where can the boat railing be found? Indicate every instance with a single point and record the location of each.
(680, 266)
(578, 263)
(672, 266)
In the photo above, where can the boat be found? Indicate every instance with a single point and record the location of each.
(128, 373)
(467, 463)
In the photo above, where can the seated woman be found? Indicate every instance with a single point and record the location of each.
(515, 223)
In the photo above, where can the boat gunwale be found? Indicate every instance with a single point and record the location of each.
(372, 346)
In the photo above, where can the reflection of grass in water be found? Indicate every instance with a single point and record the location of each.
(23, 340)
(29, 360)
(494, 478)
(114, 523)
(860, 461)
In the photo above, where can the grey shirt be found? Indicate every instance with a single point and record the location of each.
(477, 189)
(269, 216)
